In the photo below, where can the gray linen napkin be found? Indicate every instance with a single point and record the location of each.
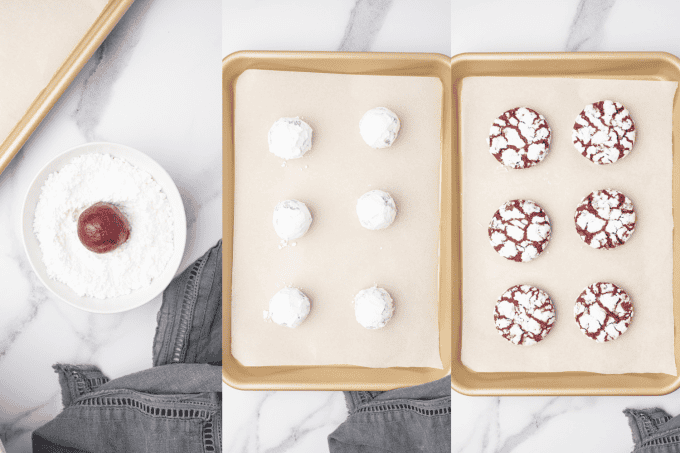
(406, 420)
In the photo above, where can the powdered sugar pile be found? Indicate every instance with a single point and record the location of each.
(88, 179)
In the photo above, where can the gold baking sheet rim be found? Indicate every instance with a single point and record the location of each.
(43, 103)
(625, 65)
(338, 377)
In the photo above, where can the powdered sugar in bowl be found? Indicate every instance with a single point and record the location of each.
(138, 269)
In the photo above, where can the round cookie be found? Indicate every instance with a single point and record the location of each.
(604, 132)
(379, 127)
(605, 219)
(519, 138)
(291, 219)
(373, 307)
(290, 138)
(519, 230)
(289, 307)
(376, 210)
(524, 315)
(603, 311)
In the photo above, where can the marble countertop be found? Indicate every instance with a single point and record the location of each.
(155, 85)
(300, 421)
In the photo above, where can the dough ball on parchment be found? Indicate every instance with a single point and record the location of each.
(379, 127)
(290, 138)
(376, 210)
(289, 307)
(291, 220)
(373, 307)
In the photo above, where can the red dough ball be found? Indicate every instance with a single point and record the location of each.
(103, 228)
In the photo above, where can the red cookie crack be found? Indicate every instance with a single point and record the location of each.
(603, 311)
(604, 132)
(524, 315)
(519, 138)
(519, 230)
(605, 219)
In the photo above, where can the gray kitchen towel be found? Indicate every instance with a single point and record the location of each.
(189, 326)
(174, 407)
(654, 431)
(406, 420)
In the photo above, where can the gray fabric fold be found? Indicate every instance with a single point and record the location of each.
(654, 430)
(406, 420)
(190, 319)
(174, 407)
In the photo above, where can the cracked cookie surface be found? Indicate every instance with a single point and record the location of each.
(524, 315)
(519, 230)
(604, 132)
(603, 311)
(519, 138)
(605, 219)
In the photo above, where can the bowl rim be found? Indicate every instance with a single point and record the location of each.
(157, 172)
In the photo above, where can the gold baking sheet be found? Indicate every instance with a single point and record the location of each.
(64, 75)
(634, 66)
(333, 377)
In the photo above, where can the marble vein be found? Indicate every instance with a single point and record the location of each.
(104, 67)
(538, 420)
(586, 30)
(37, 297)
(365, 21)
(299, 431)
(11, 430)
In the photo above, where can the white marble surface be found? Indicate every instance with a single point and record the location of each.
(154, 85)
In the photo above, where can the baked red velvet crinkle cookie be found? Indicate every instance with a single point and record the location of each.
(519, 230)
(605, 219)
(603, 311)
(519, 138)
(604, 132)
(524, 315)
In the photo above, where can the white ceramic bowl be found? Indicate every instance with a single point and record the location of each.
(113, 304)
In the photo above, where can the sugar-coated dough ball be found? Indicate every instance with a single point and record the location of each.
(289, 307)
(379, 127)
(290, 138)
(376, 210)
(373, 307)
(291, 219)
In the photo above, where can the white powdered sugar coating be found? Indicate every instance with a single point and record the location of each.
(290, 138)
(604, 132)
(291, 219)
(519, 230)
(519, 138)
(376, 210)
(603, 312)
(379, 127)
(373, 307)
(524, 315)
(84, 181)
(288, 308)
